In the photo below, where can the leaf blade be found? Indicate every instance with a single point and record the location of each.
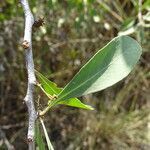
(51, 88)
(74, 102)
(114, 61)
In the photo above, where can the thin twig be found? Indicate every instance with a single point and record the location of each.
(113, 13)
(4, 140)
(43, 112)
(27, 44)
(49, 144)
(7, 127)
(75, 41)
(140, 17)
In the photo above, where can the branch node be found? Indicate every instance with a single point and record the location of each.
(29, 140)
(25, 44)
(38, 23)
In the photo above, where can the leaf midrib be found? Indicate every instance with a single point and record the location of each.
(93, 75)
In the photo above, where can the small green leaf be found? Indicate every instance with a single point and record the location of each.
(50, 88)
(108, 66)
(74, 102)
(39, 138)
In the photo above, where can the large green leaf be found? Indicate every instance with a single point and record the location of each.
(108, 66)
(50, 88)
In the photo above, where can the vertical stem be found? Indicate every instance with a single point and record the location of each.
(27, 44)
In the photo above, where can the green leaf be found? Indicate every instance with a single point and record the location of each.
(108, 66)
(50, 146)
(39, 138)
(74, 102)
(50, 88)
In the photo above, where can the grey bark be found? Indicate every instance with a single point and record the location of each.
(27, 44)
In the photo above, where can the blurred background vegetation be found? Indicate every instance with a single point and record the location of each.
(74, 30)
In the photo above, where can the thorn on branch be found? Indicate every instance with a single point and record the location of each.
(23, 101)
(25, 44)
(29, 140)
(37, 83)
(39, 22)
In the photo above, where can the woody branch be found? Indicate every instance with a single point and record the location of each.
(27, 45)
